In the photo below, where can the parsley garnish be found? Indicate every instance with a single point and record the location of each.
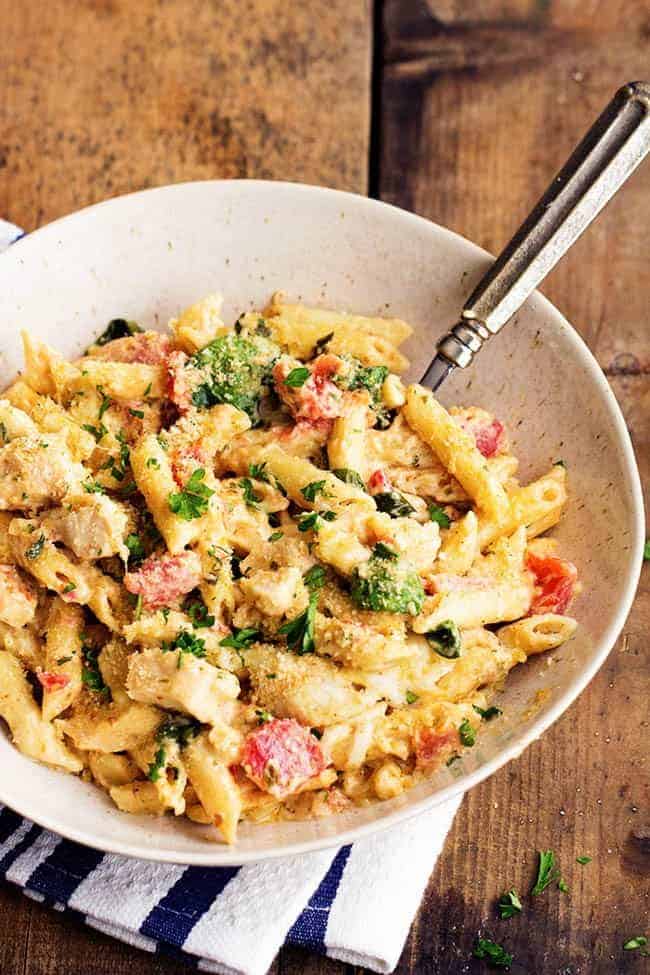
(309, 522)
(93, 487)
(322, 343)
(251, 498)
(117, 328)
(105, 403)
(383, 551)
(411, 698)
(134, 544)
(394, 504)
(492, 952)
(547, 871)
(488, 713)
(180, 729)
(138, 413)
(35, 548)
(275, 536)
(63, 660)
(439, 515)
(241, 639)
(467, 734)
(297, 377)
(300, 631)
(309, 491)
(91, 675)
(509, 904)
(445, 640)
(152, 462)
(192, 501)
(70, 587)
(157, 766)
(198, 613)
(185, 642)
(97, 432)
(563, 885)
(349, 477)
(259, 472)
(583, 860)
(633, 943)
(263, 716)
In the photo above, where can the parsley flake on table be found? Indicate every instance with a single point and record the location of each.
(493, 953)
(633, 944)
(583, 860)
(646, 551)
(509, 904)
(192, 501)
(547, 871)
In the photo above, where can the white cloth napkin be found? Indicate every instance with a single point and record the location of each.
(355, 904)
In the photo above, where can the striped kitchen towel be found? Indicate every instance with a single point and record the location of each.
(354, 904)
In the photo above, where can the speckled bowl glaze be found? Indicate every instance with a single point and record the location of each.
(148, 255)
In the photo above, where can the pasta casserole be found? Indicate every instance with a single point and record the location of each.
(248, 573)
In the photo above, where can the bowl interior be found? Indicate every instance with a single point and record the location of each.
(148, 255)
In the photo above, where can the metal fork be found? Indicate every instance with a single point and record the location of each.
(610, 151)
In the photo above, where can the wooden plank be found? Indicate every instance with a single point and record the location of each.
(481, 104)
(101, 98)
(477, 120)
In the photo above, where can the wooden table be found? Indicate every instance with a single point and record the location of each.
(460, 110)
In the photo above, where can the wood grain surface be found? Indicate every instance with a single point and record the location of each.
(469, 109)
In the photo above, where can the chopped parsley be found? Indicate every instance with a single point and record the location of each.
(70, 587)
(439, 515)
(91, 675)
(232, 369)
(185, 643)
(383, 551)
(493, 953)
(583, 860)
(93, 487)
(35, 548)
(487, 713)
(152, 462)
(309, 522)
(263, 716)
(198, 613)
(314, 578)
(467, 734)
(297, 377)
(105, 403)
(136, 549)
(192, 501)
(411, 698)
(251, 498)
(300, 631)
(349, 477)
(275, 536)
(322, 343)
(509, 904)
(117, 328)
(97, 432)
(635, 943)
(394, 504)
(241, 639)
(445, 640)
(158, 765)
(63, 660)
(138, 413)
(180, 729)
(547, 871)
(259, 472)
(563, 885)
(309, 491)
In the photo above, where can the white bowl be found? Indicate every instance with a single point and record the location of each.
(147, 255)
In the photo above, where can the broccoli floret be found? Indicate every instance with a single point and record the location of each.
(232, 369)
(387, 584)
(356, 376)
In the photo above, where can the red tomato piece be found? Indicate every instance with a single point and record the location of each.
(52, 682)
(318, 398)
(430, 744)
(185, 461)
(489, 438)
(281, 755)
(378, 483)
(555, 582)
(179, 389)
(162, 579)
(151, 348)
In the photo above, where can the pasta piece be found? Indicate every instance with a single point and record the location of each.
(214, 785)
(40, 363)
(346, 445)
(61, 678)
(34, 737)
(24, 644)
(110, 728)
(538, 633)
(138, 798)
(18, 599)
(14, 423)
(457, 451)
(50, 417)
(538, 506)
(484, 659)
(199, 324)
(110, 770)
(120, 381)
(460, 546)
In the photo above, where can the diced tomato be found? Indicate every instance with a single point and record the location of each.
(162, 579)
(185, 461)
(489, 433)
(318, 398)
(52, 682)
(431, 744)
(281, 755)
(378, 483)
(151, 348)
(179, 389)
(555, 582)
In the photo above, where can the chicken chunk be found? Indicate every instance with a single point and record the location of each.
(272, 590)
(17, 597)
(93, 526)
(36, 470)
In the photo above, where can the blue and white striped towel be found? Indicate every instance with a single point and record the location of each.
(354, 904)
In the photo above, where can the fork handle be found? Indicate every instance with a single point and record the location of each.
(610, 151)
